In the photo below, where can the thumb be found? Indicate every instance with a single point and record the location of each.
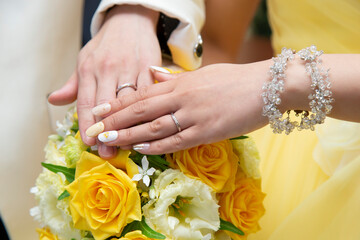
(67, 94)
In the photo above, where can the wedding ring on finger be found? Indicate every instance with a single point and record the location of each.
(125, 85)
(176, 122)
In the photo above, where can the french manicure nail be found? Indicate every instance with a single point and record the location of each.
(101, 109)
(141, 146)
(108, 136)
(158, 69)
(95, 129)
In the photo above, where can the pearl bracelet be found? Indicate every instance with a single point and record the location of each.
(320, 100)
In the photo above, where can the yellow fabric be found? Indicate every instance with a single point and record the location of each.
(303, 202)
(332, 25)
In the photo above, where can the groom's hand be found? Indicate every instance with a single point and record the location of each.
(121, 52)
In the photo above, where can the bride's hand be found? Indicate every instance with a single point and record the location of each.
(121, 52)
(213, 103)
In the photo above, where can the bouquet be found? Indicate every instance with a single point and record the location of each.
(207, 192)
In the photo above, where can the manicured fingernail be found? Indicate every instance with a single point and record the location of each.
(108, 136)
(95, 129)
(101, 109)
(141, 146)
(158, 69)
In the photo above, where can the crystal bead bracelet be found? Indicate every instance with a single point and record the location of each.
(320, 98)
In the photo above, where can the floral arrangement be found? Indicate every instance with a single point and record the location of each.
(207, 192)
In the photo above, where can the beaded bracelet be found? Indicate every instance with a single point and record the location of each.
(321, 100)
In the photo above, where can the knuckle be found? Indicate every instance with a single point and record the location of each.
(157, 147)
(107, 65)
(85, 67)
(128, 133)
(177, 141)
(141, 93)
(155, 126)
(110, 122)
(139, 107)
(85, 104)
(127, 62)
(102, 99)
(119, 103)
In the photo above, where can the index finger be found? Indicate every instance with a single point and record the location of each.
(142, 93)
(86, 101)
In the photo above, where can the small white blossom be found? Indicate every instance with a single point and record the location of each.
(144, 172)
(64, 128)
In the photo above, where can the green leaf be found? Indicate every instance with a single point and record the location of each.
(240, 137)
(228, 226)
(68, 172)
(65, 194)
(129, 228)
(155, 161)
(144, 228)
(149, 232)
(158, 162)
(75, 126)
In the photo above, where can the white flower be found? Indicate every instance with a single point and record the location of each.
(51, 212)
(53, 155)
(64, 128)
(182, 207)
(144, 172)
(36, 213)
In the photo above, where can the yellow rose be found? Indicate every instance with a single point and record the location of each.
(214, 164)
(243, 206)
(45, 234)
(103, 199)
(135, 235)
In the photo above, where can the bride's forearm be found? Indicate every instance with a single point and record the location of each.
(345, 85)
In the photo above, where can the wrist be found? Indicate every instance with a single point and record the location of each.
(296, 88)
(320, 99)
(126, 14)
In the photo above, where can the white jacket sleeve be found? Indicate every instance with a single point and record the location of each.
(184, 41)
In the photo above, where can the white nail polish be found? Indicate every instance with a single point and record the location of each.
(108, 136)
(159, 69)
(101, 109)
(141, 146)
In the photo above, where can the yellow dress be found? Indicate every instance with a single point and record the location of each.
(312, 179)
